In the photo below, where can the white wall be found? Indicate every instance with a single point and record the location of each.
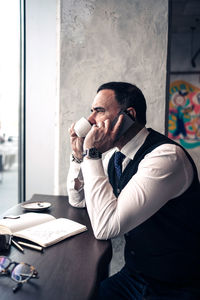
(41, 98)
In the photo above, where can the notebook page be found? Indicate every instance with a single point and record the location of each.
(51, 232)
(26, 220)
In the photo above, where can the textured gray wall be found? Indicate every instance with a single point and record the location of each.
(104, 41)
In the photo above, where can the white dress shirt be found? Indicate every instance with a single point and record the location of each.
(163, 174)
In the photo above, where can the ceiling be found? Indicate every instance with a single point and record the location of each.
(185, 16)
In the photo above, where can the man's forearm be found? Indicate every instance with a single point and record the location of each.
(100, 200)
(75, 185)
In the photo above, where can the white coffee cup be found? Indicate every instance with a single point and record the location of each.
(82, 127)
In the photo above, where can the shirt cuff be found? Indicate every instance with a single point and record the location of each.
(92, 167)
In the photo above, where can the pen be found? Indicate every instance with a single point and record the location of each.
(17, 245)
(31, 246)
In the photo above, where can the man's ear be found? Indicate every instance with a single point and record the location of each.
(131, 112)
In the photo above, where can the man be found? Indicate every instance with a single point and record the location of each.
(155, 202)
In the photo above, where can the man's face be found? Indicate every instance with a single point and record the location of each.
(104, 107)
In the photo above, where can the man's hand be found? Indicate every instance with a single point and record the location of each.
(102, 136)
(76, 143)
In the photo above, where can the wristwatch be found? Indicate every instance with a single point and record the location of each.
(92, 153)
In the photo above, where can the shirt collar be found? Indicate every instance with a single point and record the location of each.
(130, 149)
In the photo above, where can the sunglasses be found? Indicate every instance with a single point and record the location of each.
(19, 272)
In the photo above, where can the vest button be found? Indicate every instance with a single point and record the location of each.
(118, 191)
(132, 252)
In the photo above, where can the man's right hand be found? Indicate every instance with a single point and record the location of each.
(76, 143)
(102, 136)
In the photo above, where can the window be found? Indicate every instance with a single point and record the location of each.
(11, 103)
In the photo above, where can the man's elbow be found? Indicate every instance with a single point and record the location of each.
(102, 234)
(76, 203)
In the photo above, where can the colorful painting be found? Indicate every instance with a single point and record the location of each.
(184, 114)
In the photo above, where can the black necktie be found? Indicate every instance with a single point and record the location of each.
(118, 158)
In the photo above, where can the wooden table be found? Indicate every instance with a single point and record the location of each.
(70, 270)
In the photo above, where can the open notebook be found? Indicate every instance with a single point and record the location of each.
(42, 229)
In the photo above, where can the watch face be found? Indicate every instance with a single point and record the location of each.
(93, 153)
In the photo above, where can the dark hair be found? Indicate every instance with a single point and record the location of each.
(128, 95)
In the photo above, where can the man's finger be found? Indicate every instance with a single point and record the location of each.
(107, 124)
(117, 126)
(118, 123)
(71, 130)
(100, 124)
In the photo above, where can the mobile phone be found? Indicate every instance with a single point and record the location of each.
(127, 122)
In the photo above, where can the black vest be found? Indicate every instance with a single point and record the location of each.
(166, 247)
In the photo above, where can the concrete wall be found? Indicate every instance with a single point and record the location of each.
(104, 41)
(181, 55)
